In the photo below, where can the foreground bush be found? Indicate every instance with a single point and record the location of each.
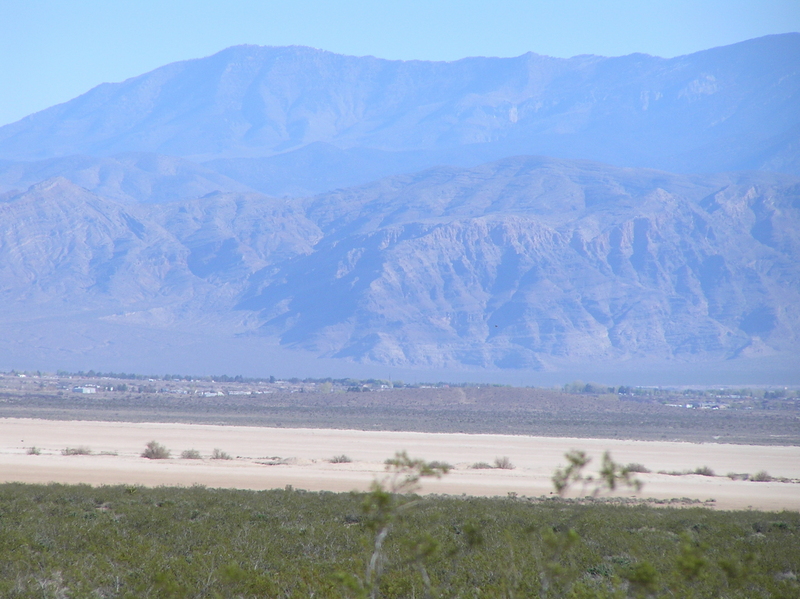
(118, 541)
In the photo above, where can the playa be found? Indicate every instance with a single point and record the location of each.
(266, 458)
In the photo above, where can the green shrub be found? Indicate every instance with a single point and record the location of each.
(80, 450)
(125, 541)
(642, 577)
(155, 451)
(218, 454)
(340, 459)
(190, 454)
(417, 546)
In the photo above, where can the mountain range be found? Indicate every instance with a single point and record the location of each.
(519, 214)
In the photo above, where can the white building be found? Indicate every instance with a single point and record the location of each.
(84, 389)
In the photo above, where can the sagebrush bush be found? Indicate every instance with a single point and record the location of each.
(190, 454)
(340, 459)
(503, 463)
(446, 466)
(762, 476)
(636, 467)
(481, 466)
(155, 451)
(80, 450)
(218, 454)
(33, 451)
(704, 471)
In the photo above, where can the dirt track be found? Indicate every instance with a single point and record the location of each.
(275, 457)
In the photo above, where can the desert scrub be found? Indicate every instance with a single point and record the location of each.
(762, 476)
(340, 459)
(190, 454)
(704, 471)
(638, 468)
(199, 542)
(441, 465)
(218, 454)
(481, 466)
(155, 451)
(80, 450)
(503, 463)
(33, 451)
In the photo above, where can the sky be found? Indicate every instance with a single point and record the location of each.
(54, 50)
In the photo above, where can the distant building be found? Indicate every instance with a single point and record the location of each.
(84, 389)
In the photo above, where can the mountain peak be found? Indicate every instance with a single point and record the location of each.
(263, 101)
(56, 184)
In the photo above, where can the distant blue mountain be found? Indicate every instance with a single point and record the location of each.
(489, 213)
(521, 263)
(729, 108)
(128, 177)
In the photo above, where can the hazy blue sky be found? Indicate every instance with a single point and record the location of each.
(54, 50)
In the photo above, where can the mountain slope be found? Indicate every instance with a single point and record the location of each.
(66, 250)
(734, 107)
(231, 236)
(522, 263)
(319, 167)
(526, 262)
(130, 177)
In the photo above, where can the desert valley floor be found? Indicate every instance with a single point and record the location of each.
(265, 458)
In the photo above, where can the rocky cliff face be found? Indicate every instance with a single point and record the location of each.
(517, 262)
(520, 263)
(66, 250)
(63, 246)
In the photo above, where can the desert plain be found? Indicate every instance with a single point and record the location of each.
(266, 458)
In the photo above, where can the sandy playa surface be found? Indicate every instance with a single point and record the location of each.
(304, 456)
